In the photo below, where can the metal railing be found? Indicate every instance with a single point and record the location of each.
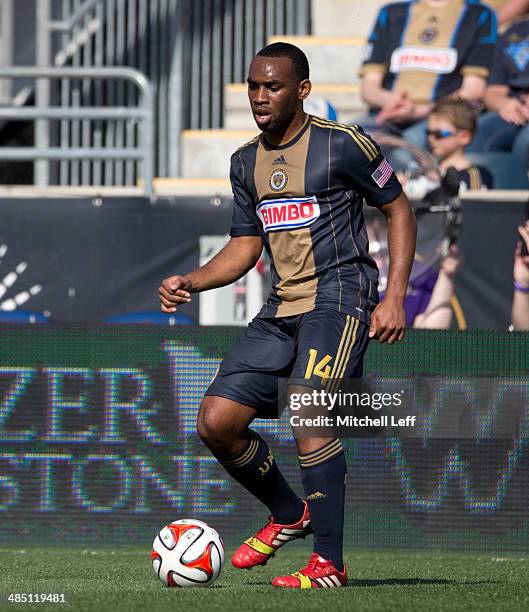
(128, 77)
(219, 40)
(6, 45)
(189, 50)
(142, 114)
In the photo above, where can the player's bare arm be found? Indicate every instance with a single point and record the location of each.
(388, 320)
(238, 257)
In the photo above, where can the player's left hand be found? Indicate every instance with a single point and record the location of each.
(388, 321)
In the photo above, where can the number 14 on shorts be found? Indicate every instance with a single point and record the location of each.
(319, 368)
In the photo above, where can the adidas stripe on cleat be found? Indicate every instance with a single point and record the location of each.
(263, 545)
(319, 573)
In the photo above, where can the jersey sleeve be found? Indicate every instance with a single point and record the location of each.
(480, 58)
(486, 177)
(499, 75)
(244, 219)
(378, 51)
(366, 170)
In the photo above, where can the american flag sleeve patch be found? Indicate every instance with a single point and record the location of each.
(382, 173)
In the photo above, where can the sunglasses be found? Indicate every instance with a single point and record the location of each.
(439, 134)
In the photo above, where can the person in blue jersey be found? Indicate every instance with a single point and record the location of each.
(298, 191)
(506, 126)
(421, 51)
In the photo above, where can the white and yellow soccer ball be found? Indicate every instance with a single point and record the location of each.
(187, 553)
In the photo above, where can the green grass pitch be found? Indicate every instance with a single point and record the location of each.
(116, 580)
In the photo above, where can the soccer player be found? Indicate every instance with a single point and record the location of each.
(298, 189)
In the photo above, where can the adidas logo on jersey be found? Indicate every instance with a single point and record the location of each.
(279, 160)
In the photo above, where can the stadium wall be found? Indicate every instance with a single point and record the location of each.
(98, 442)
(96, 258)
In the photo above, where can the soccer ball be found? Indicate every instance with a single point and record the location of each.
(187, 553)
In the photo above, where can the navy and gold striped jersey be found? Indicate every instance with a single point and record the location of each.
(304, 198)
(511, 60)
(477, 178)
(426, 51)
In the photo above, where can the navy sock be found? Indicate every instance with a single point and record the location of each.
(323, 473)
(256, 470)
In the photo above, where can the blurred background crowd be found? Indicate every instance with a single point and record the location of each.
(132, 98)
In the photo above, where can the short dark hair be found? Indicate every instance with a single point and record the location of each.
(296, 55)
(461, 113)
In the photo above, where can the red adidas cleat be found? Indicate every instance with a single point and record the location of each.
(263, 545)
(319, 573)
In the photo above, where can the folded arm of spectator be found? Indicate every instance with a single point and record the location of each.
(511, 10)
(472, 88)
(395, 106)
(372, 92)
(403, 110)
(513, 110)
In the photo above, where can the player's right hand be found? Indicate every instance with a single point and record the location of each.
(173, 291)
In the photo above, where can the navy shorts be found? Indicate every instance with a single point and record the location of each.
(314, 346)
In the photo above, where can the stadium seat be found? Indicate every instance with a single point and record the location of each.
(196, 187)
(507, 171)
(23, 316)
(206, 153)
(344, 97)
(151, 318)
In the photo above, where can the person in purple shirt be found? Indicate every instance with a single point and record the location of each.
(428, 302)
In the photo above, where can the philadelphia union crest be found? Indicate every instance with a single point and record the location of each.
(429, 35)
(278, 180)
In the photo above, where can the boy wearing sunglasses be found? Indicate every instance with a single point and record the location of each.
(451, 127)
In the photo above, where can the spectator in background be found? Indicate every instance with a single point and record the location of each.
(506, 126)
(451, 127)
(422, 51)
(520, 303)
(431, 292)
(438, 314)
(428, 301)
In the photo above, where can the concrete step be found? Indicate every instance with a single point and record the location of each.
(344, 17)
(345, 98)
(206, 153)
(331, 59)
(195, 187)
